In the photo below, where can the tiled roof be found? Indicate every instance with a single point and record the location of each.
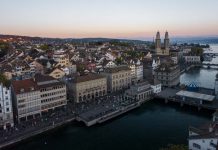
(167, 67)
(87, 77)
(42, 78)
(117, 69)
(24, 86)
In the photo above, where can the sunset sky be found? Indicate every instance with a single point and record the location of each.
(136, 19)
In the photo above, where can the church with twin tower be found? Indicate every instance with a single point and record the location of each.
(162, 50)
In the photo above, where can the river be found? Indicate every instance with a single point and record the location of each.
(150, 127)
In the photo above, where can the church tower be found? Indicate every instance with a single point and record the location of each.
(158, 42)
(166, 41)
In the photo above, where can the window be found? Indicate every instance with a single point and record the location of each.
(196, 146)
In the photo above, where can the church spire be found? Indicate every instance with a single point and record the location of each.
(157, 42)
(166, 35)
(166, 41)
(158, 35)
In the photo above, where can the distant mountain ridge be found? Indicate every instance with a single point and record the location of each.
(202, 40)
(69, 39)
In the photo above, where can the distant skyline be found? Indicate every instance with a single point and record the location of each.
(132, 19)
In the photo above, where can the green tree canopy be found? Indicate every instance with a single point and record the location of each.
(4, 80)
(119, 61)
(4, 47)
(45, 47)
(197, 50)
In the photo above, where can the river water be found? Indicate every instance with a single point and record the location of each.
(150, 127)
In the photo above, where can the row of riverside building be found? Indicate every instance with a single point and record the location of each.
(34, 96)
(30, 98)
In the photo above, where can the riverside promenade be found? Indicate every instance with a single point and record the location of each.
(28, 129)
(95, 112)
(104, 113)
(22, 136)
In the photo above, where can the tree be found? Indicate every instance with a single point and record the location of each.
(175, 147)
(80, 67)
(118, 61)
(4, 47)
(152, 46)
(4, 80)
(44, 47)
(197, 50)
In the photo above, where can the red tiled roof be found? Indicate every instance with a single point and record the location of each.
(24, 86)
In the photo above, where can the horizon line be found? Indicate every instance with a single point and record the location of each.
(119, 38)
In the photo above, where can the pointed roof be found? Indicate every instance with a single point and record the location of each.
(158, 35)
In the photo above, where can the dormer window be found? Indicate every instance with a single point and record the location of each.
(22, 90)
(32, 88)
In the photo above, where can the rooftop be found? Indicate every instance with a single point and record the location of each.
(167, 67)
(196, 95)
(117, 69)
(87, 77)
(24, 86)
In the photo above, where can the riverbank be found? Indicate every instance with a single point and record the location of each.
(144, 127)
(79, 117)
(10, 143)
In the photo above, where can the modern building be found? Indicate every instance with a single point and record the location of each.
(6, 112)
(167, 74)
(88, 87)
(141, 92)
(165, 50)
(33, 96)
(26, 99)
(118, 78)
(53, 93)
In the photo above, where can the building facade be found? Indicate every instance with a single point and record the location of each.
(6, 112)
(53, 93)
(26, 98)
(33, 96)
(167, 74)
(118, 78)
(156, 86)
(61, 58)
(216, 86)
(88, 87)
(204, 137)
(141, 92)
(192, 59)
(136, 71)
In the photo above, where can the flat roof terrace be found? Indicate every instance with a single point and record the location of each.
(196, 95)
